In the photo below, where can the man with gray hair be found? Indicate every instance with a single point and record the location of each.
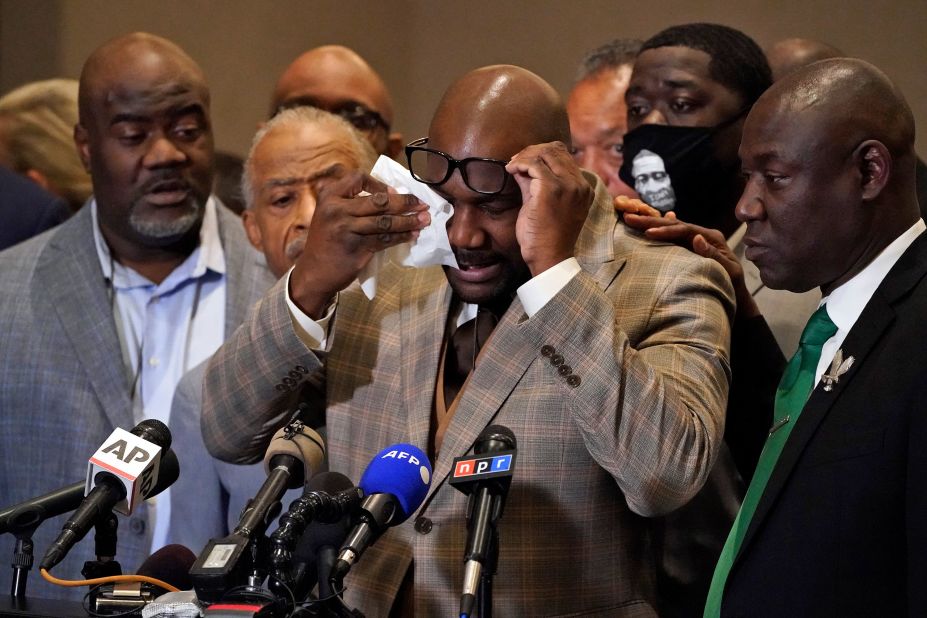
(292, 156)
(598, 114)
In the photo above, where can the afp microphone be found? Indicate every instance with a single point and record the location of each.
(123, 472)
(394, 484)
(485, 477)
(294, 454)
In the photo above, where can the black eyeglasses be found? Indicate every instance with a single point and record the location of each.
(359, 115)
(433, 167)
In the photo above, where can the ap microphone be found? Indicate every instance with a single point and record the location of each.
(485, 477)
(34, 511)
(395, 484)
(294, 453)
(121, 473)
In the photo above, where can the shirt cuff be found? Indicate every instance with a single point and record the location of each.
(538, 291)
(313, 333)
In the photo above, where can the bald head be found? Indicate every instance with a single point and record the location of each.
(500, 103)
(145, 135)
(828, 153)
(789, 55)
(850, 98)
(336, 79)
(126, 63)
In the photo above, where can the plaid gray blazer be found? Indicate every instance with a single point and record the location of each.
(644, 326)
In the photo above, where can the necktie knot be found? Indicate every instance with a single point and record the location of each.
(463, 348)
(819, 329)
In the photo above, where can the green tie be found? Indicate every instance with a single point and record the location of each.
(793, 392)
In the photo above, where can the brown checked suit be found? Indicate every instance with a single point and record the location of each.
(615, 390)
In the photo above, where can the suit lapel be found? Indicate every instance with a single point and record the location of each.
(423, 308)
(246, 274)
(501, 365)
(69, 272)
(869, 329)
(506, 357)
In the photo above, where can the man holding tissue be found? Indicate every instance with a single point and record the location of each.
(606, 357)
(292, 156)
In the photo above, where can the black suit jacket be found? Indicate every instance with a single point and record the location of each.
(841, 529)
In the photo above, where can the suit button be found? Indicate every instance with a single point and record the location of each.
(564, 370)
(301, 369)
(423, 525)
(281, 387)
(289, 381)
(573, 380)
(137, 525)
(547, 350)
(295, 375)
(556, 360)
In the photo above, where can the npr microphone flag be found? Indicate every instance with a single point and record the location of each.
(133, 460)
(471, 469)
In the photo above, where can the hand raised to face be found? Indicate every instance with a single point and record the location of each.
(555, 201)
(355, 217)
(704, 241)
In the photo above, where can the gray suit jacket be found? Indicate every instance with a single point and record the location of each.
(209, 495)
(622, 425)
(62, 385)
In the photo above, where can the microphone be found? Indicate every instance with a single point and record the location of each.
(34, 511)
(485, 478)
(395, 484)
(169, 564)
(120, 474)
(329, 497)
(293, 454)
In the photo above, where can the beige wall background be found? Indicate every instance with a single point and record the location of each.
(420, 46)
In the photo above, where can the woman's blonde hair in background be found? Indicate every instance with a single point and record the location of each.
(37, 125)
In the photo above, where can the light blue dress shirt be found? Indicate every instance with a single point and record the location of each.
(166, 329)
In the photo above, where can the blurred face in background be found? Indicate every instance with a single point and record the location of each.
(598, 122)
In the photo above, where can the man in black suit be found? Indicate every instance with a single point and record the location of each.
(835, 520)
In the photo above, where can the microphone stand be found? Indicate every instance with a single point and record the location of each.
(486, 575)
(23, 559)
(104, 539)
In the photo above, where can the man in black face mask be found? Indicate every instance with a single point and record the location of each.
(691, 88)
(690, 91)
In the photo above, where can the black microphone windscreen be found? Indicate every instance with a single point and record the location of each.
(318, 534)
(171, 564)
(329, 482)
(168, 471)
(154, 431)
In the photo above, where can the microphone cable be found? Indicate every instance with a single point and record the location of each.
(125, 579)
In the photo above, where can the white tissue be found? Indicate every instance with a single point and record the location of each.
(431, 248)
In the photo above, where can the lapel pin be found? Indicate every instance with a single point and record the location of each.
(837, 368)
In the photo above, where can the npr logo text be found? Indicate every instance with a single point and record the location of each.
(484, 465)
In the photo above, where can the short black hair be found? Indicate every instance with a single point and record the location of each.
(614, 54)
(736, 60)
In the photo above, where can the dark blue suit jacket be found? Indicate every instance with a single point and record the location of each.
(26, 209)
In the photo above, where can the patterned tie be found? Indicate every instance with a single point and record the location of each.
(794, 390)
(463, 349)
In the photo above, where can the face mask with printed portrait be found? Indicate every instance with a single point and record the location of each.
(675, 168)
